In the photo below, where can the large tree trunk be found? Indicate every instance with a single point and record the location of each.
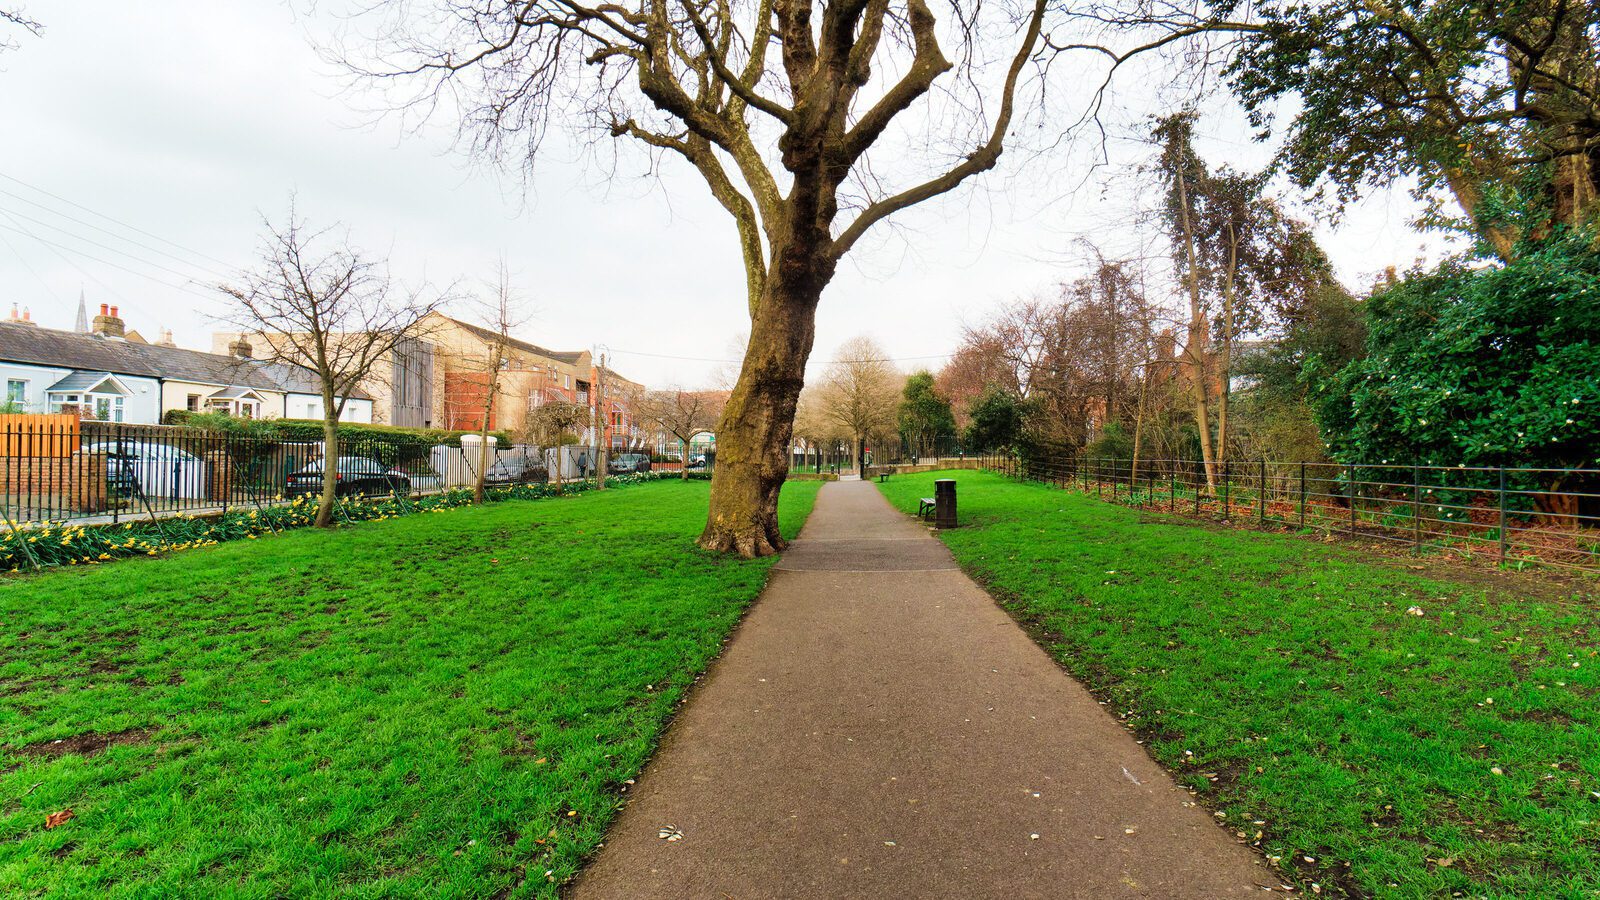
(1469, 195)
(753, 435)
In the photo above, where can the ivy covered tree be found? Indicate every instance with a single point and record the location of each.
(997, 421)
(925, 415)
(1467, 366)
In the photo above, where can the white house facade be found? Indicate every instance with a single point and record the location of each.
(104, 395)
(112, 376)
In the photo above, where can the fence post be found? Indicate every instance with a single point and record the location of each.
(1505, 544)
(1302, 494)
(1350, 473)
(1227, 497)
(1172, 496)
(1416, 506)
(1263, 492)
(1199, 473)
(116, 504)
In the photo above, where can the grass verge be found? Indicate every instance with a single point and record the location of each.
(1375, 732)
(443, 705)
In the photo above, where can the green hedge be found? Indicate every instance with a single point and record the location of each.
(58, 544)
(311, 430)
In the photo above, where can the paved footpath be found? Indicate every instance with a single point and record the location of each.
(878, 727)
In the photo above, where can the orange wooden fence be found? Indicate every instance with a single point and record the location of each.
(37, 435)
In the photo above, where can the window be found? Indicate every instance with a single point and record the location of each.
(193, 403)
(16, 391)
(568, 381)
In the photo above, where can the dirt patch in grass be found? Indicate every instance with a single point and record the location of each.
(89, 743)
(1478, 571)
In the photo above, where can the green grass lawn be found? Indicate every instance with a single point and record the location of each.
(439, 705)
(1455, 753)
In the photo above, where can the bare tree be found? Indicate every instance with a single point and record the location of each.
(18, 19)
(554, 421)
(682, 414)
(500, 317)
(331, 310)
(776, 104)
(860, 393)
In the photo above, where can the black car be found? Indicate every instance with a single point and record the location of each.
(515, 470)
(356, 476)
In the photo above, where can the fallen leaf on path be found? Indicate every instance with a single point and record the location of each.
(670, 833)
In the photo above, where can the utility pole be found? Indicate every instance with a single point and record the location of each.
(602, 457)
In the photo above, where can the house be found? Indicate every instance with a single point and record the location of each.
(302, 394)
(399, 391)
(620, 429)
(530, 376)
(102, 375)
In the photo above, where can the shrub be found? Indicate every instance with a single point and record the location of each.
(1470, 366)
(66, 544)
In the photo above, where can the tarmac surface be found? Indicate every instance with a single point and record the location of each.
(879, 727)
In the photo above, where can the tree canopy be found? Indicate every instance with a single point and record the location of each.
(1495, 101)
(925, 415)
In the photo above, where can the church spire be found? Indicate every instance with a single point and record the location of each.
(83, 315)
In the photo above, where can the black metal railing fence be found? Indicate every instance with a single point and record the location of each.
(1511, 514)
(59, 469)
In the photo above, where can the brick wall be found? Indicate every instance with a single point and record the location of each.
(76, 482)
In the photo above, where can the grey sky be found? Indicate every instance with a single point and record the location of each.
(188, 120)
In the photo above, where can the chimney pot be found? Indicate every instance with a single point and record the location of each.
(107, 324)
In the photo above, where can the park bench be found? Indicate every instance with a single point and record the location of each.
(883, 476)
(925, 507)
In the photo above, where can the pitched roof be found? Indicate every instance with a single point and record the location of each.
(299, 379)
(570, 357)
(92, 353)
(234, 393)
(78, 381)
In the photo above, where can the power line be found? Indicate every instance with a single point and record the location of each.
(23, 229)
(105, 262)
(29, 266)
(14, 215)
(115, 220)
(141, 245)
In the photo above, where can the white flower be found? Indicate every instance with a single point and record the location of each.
(1424, 421)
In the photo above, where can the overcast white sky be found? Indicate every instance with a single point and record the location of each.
(189, 120)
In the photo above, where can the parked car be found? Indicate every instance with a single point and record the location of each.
(152, 470)
(628, 463)
(356, 475)
(698, 461)
(516, 470)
